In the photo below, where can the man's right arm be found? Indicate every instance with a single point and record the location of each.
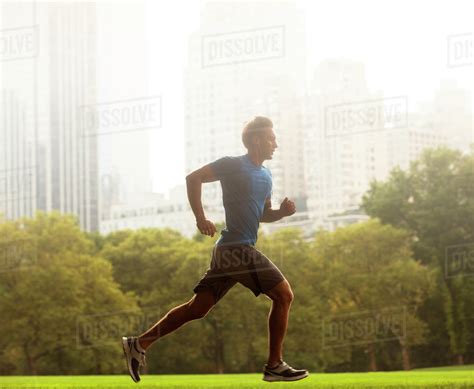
(194, 183)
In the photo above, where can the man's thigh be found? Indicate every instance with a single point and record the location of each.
(214, 281)
(248, 266)
(202, 302)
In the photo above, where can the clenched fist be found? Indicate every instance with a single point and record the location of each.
(206, 227)
(287, 207)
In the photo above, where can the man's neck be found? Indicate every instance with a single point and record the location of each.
(256, 159)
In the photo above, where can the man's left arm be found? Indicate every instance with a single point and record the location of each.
(287, 208)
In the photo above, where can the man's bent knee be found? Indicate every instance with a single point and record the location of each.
(281, 293)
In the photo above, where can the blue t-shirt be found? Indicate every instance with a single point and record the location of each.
(245, 187)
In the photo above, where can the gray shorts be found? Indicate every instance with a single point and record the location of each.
(239, 263)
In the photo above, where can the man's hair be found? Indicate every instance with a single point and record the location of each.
(255, 127)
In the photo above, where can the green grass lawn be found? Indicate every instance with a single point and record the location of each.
(446, 377)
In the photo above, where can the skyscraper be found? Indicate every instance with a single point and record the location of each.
(338, 165)
(17, 157)
(453, 116)
(354, 136)
(47, 88)
(247, 59)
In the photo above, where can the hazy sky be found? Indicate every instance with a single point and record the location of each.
(402, 43)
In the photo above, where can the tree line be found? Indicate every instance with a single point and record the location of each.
(394, 292)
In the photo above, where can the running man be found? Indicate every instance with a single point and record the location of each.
(246, 191)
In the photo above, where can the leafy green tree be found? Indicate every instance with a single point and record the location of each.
(434, 200)
(144, 258)
(373, 277)
(55, 281)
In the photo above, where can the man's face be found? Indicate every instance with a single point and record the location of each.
(267, 143)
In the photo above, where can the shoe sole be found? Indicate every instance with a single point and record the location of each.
(273, 378)
(126, 353)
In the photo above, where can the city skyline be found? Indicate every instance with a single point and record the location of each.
(185, 83)
(394, 68)
(229, 90)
